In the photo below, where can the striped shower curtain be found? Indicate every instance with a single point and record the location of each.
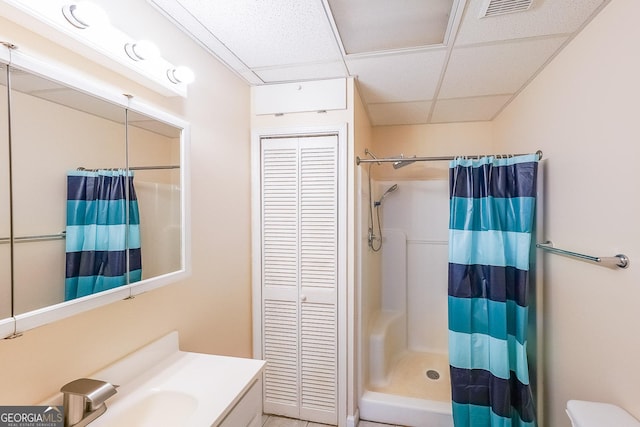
(492, 203)
(97, 235)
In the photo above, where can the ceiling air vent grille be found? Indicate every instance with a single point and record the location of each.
(502, 7)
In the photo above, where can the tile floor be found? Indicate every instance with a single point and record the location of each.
(274, 421)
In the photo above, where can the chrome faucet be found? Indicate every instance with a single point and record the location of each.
(84, 400)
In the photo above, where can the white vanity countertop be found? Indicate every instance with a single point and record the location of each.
(160, 383)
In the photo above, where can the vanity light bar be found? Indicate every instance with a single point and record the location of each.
(180, 75)
(84, 27)
(141, 50)
(85, 14)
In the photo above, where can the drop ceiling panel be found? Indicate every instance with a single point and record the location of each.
(468, 109)
(314, 71)
(399, 113)
(268, 33)
(396, 78)
(186, 20)
(382, 43)
(545, 17)
(376, 25)
(496, 69)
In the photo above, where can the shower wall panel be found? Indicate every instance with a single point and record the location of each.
(420, 209)
(427, 329)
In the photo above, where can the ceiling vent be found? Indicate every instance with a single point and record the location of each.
(502, 7)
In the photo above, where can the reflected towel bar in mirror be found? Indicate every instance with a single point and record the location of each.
(620, 260)
(36, 238)
(135, 168)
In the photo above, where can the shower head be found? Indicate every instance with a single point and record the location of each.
(391, 189)
(402, 163)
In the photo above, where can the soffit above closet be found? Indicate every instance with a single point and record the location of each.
(416, 61)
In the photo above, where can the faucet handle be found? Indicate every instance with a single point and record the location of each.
(96, 392)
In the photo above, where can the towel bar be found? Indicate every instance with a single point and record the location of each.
(620, 260)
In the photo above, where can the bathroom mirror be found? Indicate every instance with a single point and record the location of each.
(154, 158)
(61, 134)
(5, 225)
(54, 129)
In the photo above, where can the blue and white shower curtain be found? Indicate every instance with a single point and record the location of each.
(492, 203)
(97, 232)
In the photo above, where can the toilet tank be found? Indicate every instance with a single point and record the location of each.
(597, 414)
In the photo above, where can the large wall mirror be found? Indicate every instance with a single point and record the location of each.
(5, 224)
(92, 196)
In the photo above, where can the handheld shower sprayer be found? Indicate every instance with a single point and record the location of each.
(391, 189)
(375, 241)
(372, 238)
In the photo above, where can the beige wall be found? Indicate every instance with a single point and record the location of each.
(582, 112)
(211, 309)
(428, 140)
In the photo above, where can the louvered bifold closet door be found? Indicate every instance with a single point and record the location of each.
(318, 278)
(280, 301)
(299, 265)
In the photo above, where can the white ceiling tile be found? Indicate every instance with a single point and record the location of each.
(399, 113)
(545, 17)
(496, 69)
(468, 109)
(412, 76)
(184, 18)
(267, 33)
(376, 25)
(312, 71)
(271, 41)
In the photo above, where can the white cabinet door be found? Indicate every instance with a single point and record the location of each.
(299, 276)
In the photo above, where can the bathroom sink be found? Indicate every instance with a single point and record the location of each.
(159, 408)
(159, 385)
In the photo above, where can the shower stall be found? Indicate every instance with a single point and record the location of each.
(403, 361)
(404, 372)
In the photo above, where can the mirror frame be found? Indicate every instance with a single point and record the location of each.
(18, 324)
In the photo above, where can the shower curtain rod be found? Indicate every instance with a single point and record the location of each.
(144, 168)
(433, 159)
(134, 168)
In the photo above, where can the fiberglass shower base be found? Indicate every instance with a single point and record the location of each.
(408, 377)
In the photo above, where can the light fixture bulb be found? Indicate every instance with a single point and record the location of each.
(142, 49)
(85, 14)
(181, 74)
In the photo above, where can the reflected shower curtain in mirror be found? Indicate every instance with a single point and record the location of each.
(97, 239)
(492, 210)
